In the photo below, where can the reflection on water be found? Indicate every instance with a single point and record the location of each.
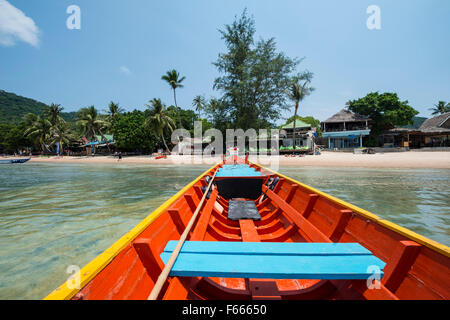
(56, 215)
(53, 216)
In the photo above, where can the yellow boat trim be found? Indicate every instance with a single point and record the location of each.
(89, 271)
(436, 246)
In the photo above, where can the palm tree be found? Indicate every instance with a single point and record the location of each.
(114, 110)
(199, 103)
(29, 118)
(53, 113)
(60, 134)
(159, 119)
(172, 78)
(90, 122)
(297, 92)
(440, 108)
(39, 129)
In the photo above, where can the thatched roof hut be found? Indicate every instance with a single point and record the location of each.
(346, 116)
(438, 124)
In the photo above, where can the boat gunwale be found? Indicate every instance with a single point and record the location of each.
(434, 245)
(95, 266)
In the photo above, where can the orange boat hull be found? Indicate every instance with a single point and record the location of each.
(416, 268)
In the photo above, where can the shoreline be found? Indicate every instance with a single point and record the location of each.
(423, 160)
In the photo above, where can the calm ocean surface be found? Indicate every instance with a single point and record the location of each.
(55, 215)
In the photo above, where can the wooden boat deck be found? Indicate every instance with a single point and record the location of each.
(416, 267)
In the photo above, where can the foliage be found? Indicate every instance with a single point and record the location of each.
(39, 132)
(440, 108)
(159, 120)
(13, 107)
(298, 90)
(309, 120)
(130, 133)
(114, 110)
(91, 123)
(199, 103)
(60, 133)
(12, 138)
(385, 111)
(53, 113)
(254, 78)
(172, 77)
(187, 117)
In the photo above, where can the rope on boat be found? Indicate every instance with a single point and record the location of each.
(165, 273)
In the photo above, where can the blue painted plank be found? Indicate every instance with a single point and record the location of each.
(238, 170)
(274, 267)
(271, 260)
(269, 248)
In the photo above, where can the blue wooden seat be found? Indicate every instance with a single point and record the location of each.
(273, 260)
(237, 170)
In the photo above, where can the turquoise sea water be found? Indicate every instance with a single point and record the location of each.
(56, 215)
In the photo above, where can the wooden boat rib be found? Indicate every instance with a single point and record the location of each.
(291, 212)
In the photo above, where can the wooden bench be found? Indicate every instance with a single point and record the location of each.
(273, 260)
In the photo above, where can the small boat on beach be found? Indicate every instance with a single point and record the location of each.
(241, 231)
(20, 160)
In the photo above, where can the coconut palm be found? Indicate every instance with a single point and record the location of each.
(440, 108)
(114, 110)
(61, 134)
(29, 118)
(91, 123)
(159, 119)
(53, 113)
(173, 79)
(40, 130)
(297, 92)
(199, 103)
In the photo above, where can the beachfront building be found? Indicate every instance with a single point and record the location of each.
(304, 135)
(98, 145)
(435, 131)
(431, 133)
(404, 136)
(188, 145)
(345, 130)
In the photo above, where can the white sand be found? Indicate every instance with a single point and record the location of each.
(410, 159)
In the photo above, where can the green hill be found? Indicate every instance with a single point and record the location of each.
(14, 107)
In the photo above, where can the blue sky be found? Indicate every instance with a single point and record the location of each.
(124, 47)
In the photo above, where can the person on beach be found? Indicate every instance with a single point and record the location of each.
(120, 156)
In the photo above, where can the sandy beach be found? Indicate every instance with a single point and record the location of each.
(436, 160)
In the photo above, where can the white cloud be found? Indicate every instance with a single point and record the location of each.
(15, 25)
(125, 70)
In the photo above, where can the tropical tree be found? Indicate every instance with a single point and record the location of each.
(173, 79)
(114, 110)
(53, 113)
(385, 111)
(199, 103)
(298, 91)
(40, 131)
(253, 76)
(29, 118)
(60, 133)
(159, 120)
(91, 124)
(440, 108)
(131, 134)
